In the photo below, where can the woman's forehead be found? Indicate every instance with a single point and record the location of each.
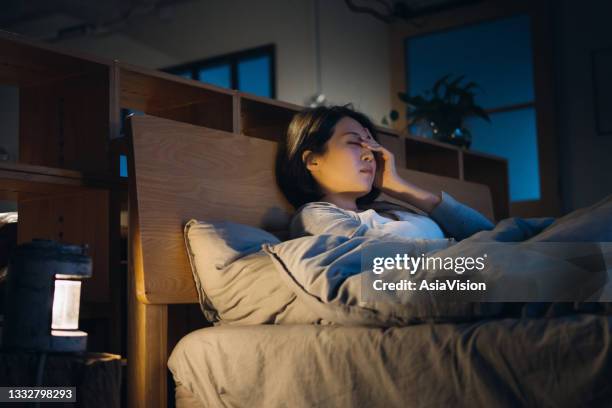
(348, 126)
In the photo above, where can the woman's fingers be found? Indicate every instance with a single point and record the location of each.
(372, 145)
(369, 141)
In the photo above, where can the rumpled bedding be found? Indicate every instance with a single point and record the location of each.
(326, 271)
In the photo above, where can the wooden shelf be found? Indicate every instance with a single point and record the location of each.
(27, 178)
(493, 172)
(173, 97)
(264, 118)
(25, 63)
(62, 97)
(433, 157)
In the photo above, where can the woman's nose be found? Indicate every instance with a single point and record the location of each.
(367, 155)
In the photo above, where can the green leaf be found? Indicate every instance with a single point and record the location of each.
(446, 103)
(455, 83)
(439, 83)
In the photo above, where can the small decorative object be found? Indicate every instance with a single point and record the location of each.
(43, 297)
(442, 110)
(318, 99)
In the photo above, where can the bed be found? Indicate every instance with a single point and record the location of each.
(179, 172)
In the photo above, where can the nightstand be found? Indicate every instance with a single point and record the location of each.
(96, 376)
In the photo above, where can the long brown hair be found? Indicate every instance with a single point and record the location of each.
(310, 129)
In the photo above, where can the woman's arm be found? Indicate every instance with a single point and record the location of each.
(322, 217)
(412, 194)
(456, 219)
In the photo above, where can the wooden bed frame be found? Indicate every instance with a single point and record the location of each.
(178, 172)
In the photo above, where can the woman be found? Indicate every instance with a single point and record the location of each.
(331, 168)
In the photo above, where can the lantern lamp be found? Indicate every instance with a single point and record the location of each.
(43, 297)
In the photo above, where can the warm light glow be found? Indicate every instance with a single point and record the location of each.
(66, 305)
(64, 276)
(68, 333)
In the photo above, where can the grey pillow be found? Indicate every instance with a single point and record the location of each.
(235, 280)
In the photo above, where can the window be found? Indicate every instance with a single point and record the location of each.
(498, 56)
(251, 71)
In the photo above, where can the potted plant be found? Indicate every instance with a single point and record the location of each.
(443, 110)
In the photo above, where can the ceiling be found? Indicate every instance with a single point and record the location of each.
(58, 19)
(53, 20)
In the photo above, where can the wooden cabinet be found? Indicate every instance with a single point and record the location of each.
(63, 179)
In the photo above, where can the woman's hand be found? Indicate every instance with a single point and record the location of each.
(390, 183)
(386, 177)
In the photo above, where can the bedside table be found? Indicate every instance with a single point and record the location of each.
(96, 376)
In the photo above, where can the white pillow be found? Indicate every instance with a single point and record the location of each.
(236, 281)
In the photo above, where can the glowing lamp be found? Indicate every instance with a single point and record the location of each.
(43, 297)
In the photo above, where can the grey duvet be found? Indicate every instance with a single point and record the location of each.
(528, 260)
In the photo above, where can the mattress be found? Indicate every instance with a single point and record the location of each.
(565, 361)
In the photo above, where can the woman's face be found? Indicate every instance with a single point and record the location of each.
(346, 166)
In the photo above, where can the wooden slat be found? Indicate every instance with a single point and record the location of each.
(24, 178)
(236, 108)
(185, 172)
(114, 113)
(147, 332)
(26, 63)
(270, 102)
(172, 97)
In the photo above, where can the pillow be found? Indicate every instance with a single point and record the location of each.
(235, 280)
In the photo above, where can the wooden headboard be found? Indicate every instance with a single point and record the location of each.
(177, 172)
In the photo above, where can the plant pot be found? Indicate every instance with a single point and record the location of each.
(458, 136)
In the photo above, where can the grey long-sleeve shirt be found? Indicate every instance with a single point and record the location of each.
(455, 219)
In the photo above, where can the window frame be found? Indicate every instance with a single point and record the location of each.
(232, 59)
(540, 14)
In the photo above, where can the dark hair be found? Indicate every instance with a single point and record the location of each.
(310, 129)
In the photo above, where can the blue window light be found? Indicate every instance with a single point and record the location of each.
(217, 75)
(498, 56)
(254, 76)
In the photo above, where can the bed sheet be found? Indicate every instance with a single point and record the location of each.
(565, 361)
